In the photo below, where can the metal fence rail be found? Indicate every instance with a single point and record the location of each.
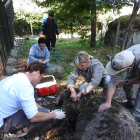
(6, 30)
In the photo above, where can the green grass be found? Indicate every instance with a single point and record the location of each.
(66, 51)
(127, 17)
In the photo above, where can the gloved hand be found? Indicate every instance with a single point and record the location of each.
(60, 115)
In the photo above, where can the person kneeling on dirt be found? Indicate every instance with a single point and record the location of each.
(19, 113)
(39, 52)
(93, 73)
(126, 61)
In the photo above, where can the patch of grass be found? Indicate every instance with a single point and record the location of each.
(66, 51)
(24, 46)
(70, 48)
(126, 17)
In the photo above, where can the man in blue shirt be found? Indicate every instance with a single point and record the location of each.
(50, 30)
(38, 52)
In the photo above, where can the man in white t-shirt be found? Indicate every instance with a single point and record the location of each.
(19, 113)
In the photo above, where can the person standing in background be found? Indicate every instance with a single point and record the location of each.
(50, 30)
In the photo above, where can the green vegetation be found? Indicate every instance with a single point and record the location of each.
(27, 23)
(77, 15)
(127, 17)
(66, 51)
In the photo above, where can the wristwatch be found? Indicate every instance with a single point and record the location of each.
(127, 82)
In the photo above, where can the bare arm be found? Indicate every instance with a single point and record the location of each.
(73, 94)
(134, 81)
(39, 106)
(110, 92)
(42, 117)
(107, 104)
(70, 83)
(131, 82)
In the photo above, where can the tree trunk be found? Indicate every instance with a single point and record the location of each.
(93, 26)
(71, 31)
(101, 37)
(31, 28)
(135, 10)
(117, 35)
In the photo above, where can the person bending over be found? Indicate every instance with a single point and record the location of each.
(128, 62)
(93, 73)
(19, 113)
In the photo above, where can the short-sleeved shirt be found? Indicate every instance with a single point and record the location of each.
(135, 68)
(16, 93)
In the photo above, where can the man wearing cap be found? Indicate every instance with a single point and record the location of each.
(126, 61)
(50, 30)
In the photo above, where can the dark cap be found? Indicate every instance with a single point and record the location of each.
(51, 14)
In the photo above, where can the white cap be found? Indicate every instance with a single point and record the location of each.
(120, 62)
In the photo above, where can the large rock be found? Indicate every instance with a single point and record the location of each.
(55, 70)
(134, 34)
(14, 52)
(10, 70)
(84, 122)
(116, 123)
(11, 61)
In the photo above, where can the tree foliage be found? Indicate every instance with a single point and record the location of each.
(27, 22)
(74, 15)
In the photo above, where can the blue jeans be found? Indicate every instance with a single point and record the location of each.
(46, 65)
(104, 83)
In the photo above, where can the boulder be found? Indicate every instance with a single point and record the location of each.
(14, 52)
(134, 33)
(84, 122)
(55, 70)
(11, 61)
(10, 70)
(116, 123)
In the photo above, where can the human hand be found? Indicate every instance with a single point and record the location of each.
(57, 36)
(60, 115)
(40, 61)
(44, 62)
(79, 94)
(104, 106)
(121, 84)
(73, 95)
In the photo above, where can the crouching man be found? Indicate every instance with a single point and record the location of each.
(19, 113)
(127, 61)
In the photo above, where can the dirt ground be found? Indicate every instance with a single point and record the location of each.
(50, 103)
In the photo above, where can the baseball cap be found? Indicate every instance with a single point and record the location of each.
(120, 62)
